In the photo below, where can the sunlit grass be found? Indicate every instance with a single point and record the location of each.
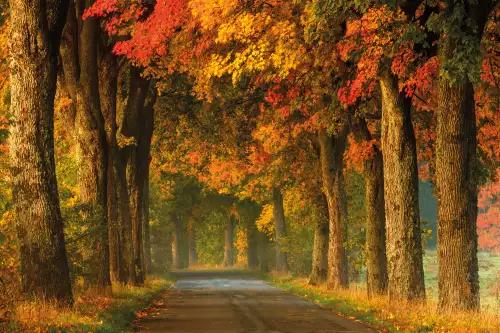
(92, 311)
(390, 316)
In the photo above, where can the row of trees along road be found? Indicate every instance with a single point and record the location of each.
(255, 99)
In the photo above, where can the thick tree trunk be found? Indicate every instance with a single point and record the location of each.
(319, 270)
(456, 174)
(375, 247)
(176, 243)
(108, 72)
(404, 244)
(331, 156)
(35, 35)
(91, 145)
(252, 245)
(229, 243)
(280, 232)
(193, 254)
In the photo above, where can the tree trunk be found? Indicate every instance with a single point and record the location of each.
(126, 260)
(263, 251)
(108, 72)
(319, 270)
(176, 243)
(35, 35)
(252, 245)
(229, 243)
(457, 182)
(147, 231)
(375, 247)
(193, 255)
(404, 244)
(331, 156)
(91, 145)
(280, 232)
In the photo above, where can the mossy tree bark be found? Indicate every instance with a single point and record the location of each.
(280, 231)
(34, 46)
(375, 247)
(404, 244)
(332, 149)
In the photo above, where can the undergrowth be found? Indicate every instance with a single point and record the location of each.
(92, 312)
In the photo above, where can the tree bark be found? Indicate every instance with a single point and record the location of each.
(229, 243)
(457, 173)
(280, 232)
(176, 243)
(263, 250)
(80, 63)
(147, 231)
(252, 245)
(319, 270)
(34, 45)
(108, 73)
(375, 247)
(193, 254)
(404, 244)
(332, 149)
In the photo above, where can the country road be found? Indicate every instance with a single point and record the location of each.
(234, 302)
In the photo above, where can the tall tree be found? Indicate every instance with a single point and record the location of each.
(34, 46)
(404, 245)
(79, 54)
(375, 248)
(462, 27)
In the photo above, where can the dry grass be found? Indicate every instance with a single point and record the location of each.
(390, 316)
(91, 312)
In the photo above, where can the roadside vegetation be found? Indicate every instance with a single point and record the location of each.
(92, 311)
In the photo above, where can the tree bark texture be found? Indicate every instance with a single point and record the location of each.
(457, 173)
(80, 62)
(34, 45)
(404, 243)
(319, 271)
(375, 247)
(108, 72)
(332, 149)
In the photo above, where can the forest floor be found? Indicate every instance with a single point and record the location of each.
(231, 301)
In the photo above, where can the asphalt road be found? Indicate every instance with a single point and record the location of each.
(232, 302)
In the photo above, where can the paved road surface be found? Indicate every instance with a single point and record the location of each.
(232, 302)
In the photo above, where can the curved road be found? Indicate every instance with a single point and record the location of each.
(233, 302)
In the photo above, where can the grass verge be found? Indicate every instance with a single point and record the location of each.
(91, 312)
(388, 316)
